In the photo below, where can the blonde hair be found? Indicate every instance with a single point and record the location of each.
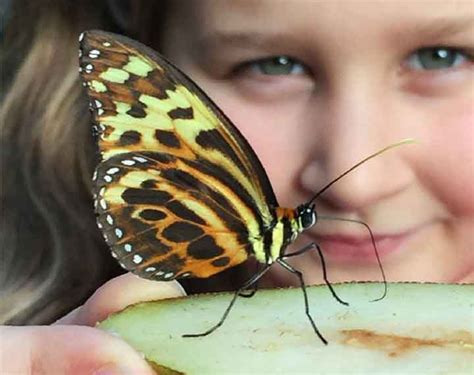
(52, 254)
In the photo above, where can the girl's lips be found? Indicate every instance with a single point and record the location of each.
(360, 249)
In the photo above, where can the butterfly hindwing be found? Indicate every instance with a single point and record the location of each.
(179, 192)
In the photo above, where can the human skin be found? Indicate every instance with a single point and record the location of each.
(359, 91)
(72, 345)
(355, 84)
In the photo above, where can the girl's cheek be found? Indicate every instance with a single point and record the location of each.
(445, 161)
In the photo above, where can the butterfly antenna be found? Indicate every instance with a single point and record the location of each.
(402, 142)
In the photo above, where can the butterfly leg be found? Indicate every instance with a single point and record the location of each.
(303, 288)
(245, 286)
(250, 293)
(323, 266)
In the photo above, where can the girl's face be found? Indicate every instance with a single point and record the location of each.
(315, 86)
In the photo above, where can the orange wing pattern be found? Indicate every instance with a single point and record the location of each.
(179, 192)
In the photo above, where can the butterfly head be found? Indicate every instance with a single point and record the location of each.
(307, 216)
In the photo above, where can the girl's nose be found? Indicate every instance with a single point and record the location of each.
(358, 120)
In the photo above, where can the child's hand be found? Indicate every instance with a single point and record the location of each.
(72, 345)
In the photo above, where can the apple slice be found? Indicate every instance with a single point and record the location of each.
(417, 328)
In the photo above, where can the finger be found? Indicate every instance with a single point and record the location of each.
(67, 350)
(119, 293)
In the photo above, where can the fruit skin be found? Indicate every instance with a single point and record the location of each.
(425, 328)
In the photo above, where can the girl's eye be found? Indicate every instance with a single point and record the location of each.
(432, 58)
(274, 66)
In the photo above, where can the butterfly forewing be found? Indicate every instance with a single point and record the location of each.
(179, 192)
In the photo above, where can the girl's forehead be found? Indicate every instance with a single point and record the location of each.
(284, 12)
(243, 20)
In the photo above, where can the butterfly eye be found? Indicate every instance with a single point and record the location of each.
(307, 216)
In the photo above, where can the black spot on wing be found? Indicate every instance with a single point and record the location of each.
(221, 262)
(152, 215)
(181, 113)
(184, 179)
(142, 196)
(167, 138)
(160, 83)
(130, 137)
(137, 110)
(204, 248)
(182, 231)
(160, 157)
(184, 213)
(149, 184)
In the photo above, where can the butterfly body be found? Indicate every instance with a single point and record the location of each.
(179, 192)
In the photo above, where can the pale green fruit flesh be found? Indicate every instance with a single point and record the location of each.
(417, 328)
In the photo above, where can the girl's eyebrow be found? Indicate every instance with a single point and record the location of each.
(246, 39)
(427, 28)
(443, 27)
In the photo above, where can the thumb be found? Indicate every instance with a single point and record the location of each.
(117, 294)
(67, 350)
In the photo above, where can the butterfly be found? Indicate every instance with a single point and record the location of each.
(179, 192)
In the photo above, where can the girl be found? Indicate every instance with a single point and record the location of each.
(313, 86)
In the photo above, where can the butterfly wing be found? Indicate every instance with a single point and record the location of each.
(179, 191)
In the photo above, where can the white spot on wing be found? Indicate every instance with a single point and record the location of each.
(106, 44)
(103, 204)
(112, 170)
(128, 162)
(93, 54)
(127, 247)
(137, 259)
(81, 36)
(107, 179)
(89, 68)
(110, 220)
(118, 232)
(140, 159)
